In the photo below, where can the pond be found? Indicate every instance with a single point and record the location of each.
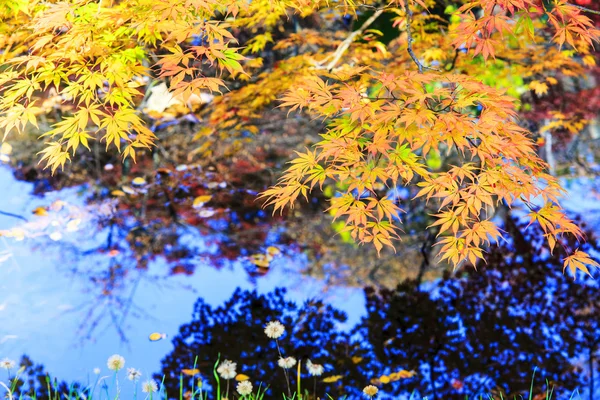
(86, 273)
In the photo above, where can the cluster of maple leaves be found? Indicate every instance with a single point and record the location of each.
(389, 103)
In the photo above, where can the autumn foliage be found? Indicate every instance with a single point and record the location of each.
(398, 84)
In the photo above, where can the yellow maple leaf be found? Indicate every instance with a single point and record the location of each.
(579, 260)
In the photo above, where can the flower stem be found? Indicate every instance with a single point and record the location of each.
(287, 378)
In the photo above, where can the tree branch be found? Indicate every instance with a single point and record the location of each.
(411, 52)
(584, 9)
(348, 41)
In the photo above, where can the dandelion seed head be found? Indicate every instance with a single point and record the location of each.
(227, 369)
(287, 362)
(370, 390)
(244, 388)
(150, 386)
(115, 362)
(274, 329)
(133, 374)
(7, 363)
(314, 369)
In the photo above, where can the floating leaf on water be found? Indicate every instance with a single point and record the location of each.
(4, 257)
(404, 374)
(57, 205)
(40, 211)
(200, 200)
(214, 185)
(138, 181)
(118, 193)
(334, 378)
(156, 336)
(206, 213)
(273, 251)
(260, 260)
(73, 225)
(128, 190)
(6, 149)
(356, 359)
(56, 236)
(241, 377)
(17, 233)
(190, 372)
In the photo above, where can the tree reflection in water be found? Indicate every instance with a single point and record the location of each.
(235, 332)
(482, 332)
(474, 332)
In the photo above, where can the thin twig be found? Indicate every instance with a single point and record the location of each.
(585, 9)
(450, 67)
(9, 214)
(411, 52)
(357, 6)
(348, 41)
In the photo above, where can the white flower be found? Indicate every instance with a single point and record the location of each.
(7, 364)
(150, 386)
(370, 390)
(227, 369)
(133, 374)
(274, 329)
(314, 369)
(287, 362)
(115, 362)
(97, 371)
(244, 388)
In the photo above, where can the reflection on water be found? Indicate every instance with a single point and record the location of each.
(234, 330)
(84, 278)
(484, 332)
(71, 303)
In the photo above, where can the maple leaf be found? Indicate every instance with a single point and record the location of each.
(387, 113)
(579, 260)
(54, 156)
